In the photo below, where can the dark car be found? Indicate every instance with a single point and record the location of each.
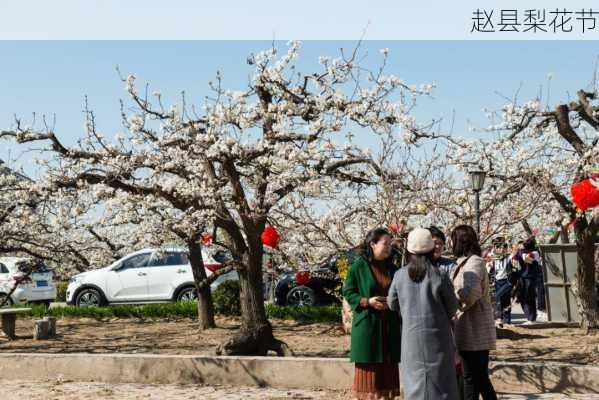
(311, 287)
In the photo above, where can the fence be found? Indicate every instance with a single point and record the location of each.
(559, 270)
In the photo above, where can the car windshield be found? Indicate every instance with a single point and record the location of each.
(27, 266)
(41, 267)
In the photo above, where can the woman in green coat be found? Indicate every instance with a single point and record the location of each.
(376, 331)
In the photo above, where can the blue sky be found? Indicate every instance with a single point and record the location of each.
(261, 19)
(52, 77)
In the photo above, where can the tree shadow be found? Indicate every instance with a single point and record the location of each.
(547, 377)
(509, 334)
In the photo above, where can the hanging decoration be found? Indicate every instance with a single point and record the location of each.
(585, 194)
(207, 239)
(270, 237)
(395, 228)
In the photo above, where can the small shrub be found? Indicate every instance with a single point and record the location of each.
(305, 314)
(226, 298)
(61, 291)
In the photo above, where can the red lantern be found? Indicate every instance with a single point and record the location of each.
(585, 194)
(270, 237)
(303, 277)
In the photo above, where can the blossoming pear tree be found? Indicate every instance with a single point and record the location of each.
(229, 164)
(37, 222)
(540, 153)
(420, 187)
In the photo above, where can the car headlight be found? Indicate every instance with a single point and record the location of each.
(74, 279)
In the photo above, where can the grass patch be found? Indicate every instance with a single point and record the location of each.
(308, 314)
(304, 314)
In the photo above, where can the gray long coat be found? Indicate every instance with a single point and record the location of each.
(427, 349)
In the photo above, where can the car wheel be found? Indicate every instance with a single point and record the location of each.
(89, 298)
(2, 297)
(187, 294)
(301, 296)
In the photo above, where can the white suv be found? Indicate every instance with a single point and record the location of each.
(37, 288)
(146, 276)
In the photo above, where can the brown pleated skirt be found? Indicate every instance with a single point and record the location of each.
(374, 381)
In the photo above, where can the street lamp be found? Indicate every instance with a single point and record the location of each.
(477, 180)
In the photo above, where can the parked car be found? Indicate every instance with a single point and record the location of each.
(309, 287)
(38, 287)
(146, 276)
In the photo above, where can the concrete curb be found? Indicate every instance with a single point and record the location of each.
(513, 377)
(288, 372)
(291, 372)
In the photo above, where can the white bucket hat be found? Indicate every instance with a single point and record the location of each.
(420, 241)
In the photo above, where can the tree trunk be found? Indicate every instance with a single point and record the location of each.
(585, 282)
(205, 306)
(255, 336)
(597, 265)
(527, 227)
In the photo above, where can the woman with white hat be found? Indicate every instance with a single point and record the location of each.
(425, 301)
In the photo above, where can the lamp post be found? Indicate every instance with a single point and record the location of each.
(477, 180)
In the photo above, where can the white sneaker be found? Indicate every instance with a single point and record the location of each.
(542, 316)
(528, 323)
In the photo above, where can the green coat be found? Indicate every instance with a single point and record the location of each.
(366, 331)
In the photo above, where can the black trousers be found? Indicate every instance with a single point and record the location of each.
(540, 294)
(476, 375)
(503, 292)
(528, 298)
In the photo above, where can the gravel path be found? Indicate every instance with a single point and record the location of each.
(57, 390)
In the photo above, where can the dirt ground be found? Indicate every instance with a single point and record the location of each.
(57, 390)
(62, 390)
(307, 340)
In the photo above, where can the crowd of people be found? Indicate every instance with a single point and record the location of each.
(435, 313)
(517, 275)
